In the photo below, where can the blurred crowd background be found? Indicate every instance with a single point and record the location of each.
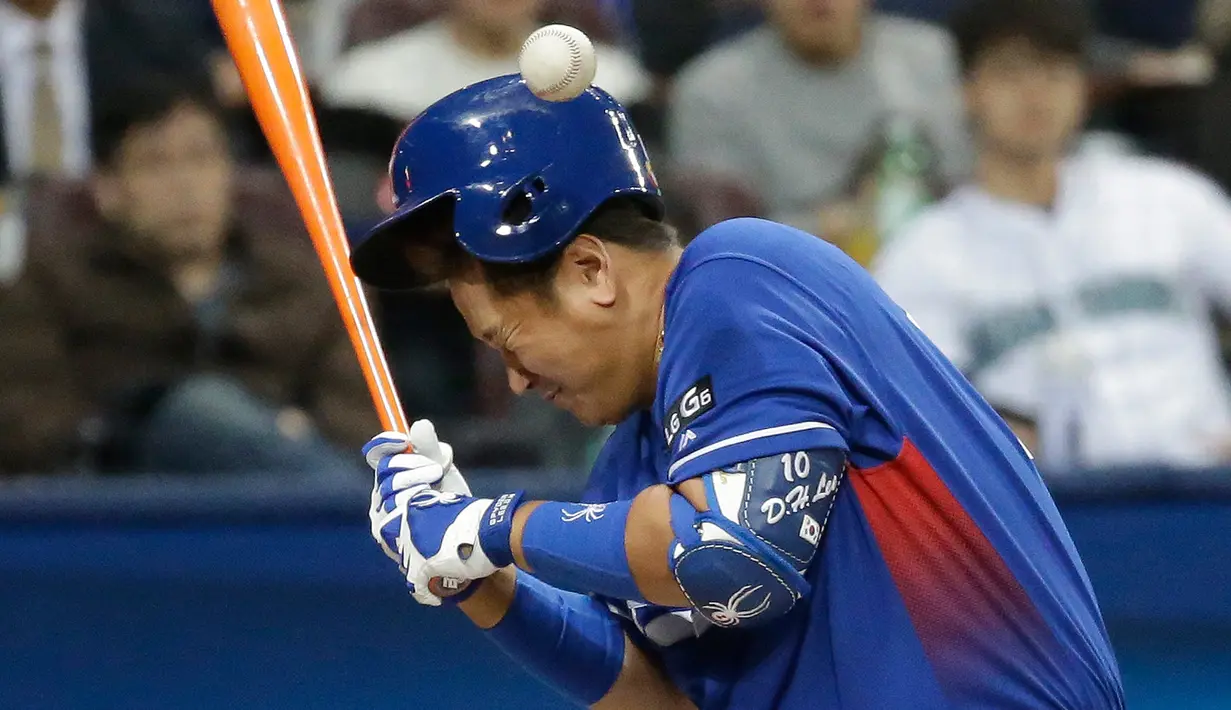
(156, 286)
(1052, 213)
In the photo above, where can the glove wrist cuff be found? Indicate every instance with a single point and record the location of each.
(496, 529)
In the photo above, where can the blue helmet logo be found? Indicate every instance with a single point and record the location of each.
(522, 174)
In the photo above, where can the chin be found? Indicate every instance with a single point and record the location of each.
(593, 418)
(611, 418)
(588, 419)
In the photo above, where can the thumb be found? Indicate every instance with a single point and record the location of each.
(425, 443)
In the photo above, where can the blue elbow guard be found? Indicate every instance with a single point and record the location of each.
(729, 576)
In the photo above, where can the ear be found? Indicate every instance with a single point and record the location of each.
(587, 266)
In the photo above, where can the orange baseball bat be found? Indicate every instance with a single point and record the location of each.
(257, 35)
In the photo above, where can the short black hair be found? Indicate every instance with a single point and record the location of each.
(1063, 27)
(143, 101)
(623, 221)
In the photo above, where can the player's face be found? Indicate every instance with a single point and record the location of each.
(572, 349)
(819, 30)
(488, 15)
(170, 185)
(1024, 102)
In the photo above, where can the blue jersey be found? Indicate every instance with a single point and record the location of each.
(945, 577)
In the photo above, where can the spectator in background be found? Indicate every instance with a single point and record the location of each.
(132, 38)
(44, 91)
(1075, 292)
(175, 317)
(795, 107)
(472, 40)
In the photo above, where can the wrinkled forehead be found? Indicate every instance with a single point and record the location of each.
(483, 312)
(491, 314)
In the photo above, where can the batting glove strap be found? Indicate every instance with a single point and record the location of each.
(496, 530)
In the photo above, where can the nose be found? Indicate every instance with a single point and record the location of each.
(518, 381)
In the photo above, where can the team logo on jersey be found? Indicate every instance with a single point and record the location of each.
(696, 400)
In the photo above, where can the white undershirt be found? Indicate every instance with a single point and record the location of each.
(20, 36)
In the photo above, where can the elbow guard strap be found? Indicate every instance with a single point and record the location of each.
(729, 576)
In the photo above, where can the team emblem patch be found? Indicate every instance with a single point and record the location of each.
(696, 400)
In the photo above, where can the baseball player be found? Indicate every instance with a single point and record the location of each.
(803, 505)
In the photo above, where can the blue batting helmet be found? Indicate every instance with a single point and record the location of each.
(522, 174)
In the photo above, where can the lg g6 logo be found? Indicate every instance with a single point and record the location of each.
(695, 401)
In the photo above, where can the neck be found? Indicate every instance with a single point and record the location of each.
(1031, 181)
(196, 278)
(652, 292)
(837, 53)
(490, 42)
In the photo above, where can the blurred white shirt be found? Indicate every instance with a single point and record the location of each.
(20, 37)
(1092, 318)
(404, 74)
(796, 134)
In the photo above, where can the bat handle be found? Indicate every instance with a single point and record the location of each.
(445, 587)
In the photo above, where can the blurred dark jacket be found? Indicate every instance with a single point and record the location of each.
(91, 334)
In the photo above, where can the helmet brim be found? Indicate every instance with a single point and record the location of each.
(381, 261)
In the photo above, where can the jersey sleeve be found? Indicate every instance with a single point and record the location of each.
(747, 369)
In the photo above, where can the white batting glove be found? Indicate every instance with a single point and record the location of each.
(424, 441)
(401, 462)
(445, 536)
(404, 464)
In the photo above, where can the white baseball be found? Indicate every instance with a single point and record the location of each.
(558, 62)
